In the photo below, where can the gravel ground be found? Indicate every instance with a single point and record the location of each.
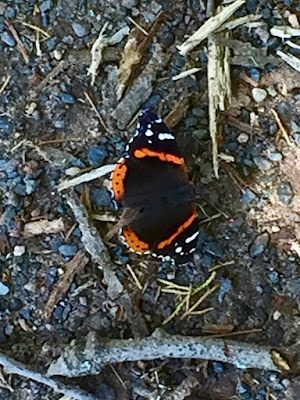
(249, 217)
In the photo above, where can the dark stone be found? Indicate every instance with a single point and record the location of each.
(118, 250)
(51, 43)
(153, 101)
(100, 197)
(52, 276)
(55, 243)
(15, 305)
(105, 391)
(8, 39)
(68, 250)
(259, 245)
(10, 13)
(79, 29)
(96, 156)
(285, 193)
(248, 196)
(5, 128)
(46, 6)
(189, 122)
(226, 286)
(255, 74)
(99, 321)
(293, 286)
(262, 163)
(25, 313)
(68, 98)
(214, 249)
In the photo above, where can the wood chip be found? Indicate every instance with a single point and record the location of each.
(74, 266)
(210, 26)
(136, 47)
(178, 112)
(87, 177)
(44, 226)
(96, 52)
(293, 61)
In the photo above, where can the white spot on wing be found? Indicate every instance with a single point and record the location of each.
(149, 141)
(138, 125)
(149, 132)
(149, 126)
(191, 238)
(165, 136)
(178, 250)
(158, 120)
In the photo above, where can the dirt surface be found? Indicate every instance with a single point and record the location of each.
(249, 217)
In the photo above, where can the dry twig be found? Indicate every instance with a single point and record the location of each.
(21, 47)
(282, 128)
(16, 368)
(5, 83)
(75, 265)
(94, 108)
(90, 357)
(87, 177)
(210, 26)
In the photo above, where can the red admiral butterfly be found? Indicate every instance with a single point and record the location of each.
(152, 181)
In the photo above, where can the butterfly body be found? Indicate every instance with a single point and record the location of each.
(152, 180)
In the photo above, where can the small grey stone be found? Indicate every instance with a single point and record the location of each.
(259, 245)
(79, 29)
(129, 3)
(262, 163)
(275, 156)
(285, 193)
(8, 39)
(46, 6)
(293, 286)
(259, 95)
(4, 289)
(248, 196)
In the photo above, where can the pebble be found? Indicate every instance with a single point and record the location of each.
(96, 156)
(67, 250)
(79, 29)
(67, 98)
(105, 391)
(285, 193)
(275, 156)
(153, 101)
(273, 276)
(262, 163)
(19, 251)
(100, 197)
(189, 122)
(200, 134)
(10, 13)
(243, 138)
(248, 196)
(259, 95)
(129, 3)
(8, 39)
(4, 289)
(214, 249)
(255, 74)
(46, 6)
(293, 286)
(226, 286)
(259, 245)
(5, 128)
(52, 276)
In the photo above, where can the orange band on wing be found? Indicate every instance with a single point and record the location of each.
(134, 242)
(182, 227)
(144, 152)
(118, 177)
